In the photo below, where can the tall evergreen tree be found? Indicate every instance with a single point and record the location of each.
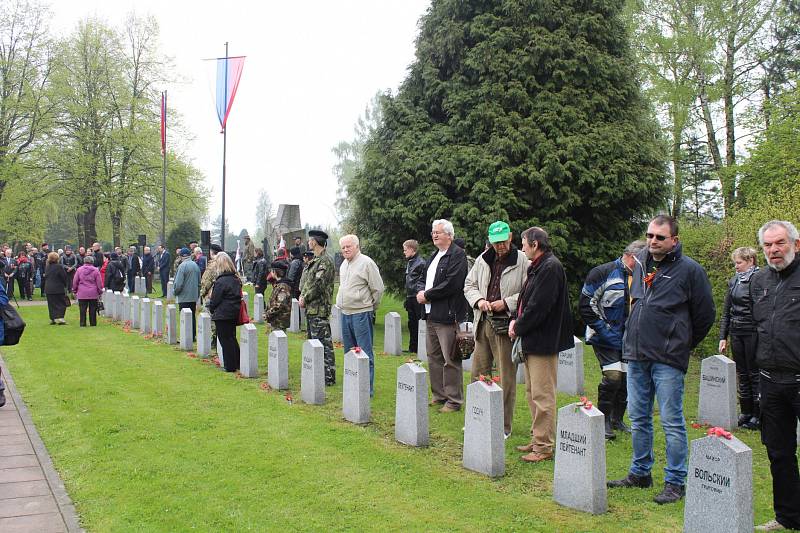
(528, 111)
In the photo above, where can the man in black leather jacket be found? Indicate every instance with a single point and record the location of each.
(415, 282)
(775, 302)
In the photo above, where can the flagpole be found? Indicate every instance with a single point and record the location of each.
(224, 150)
(164, 177)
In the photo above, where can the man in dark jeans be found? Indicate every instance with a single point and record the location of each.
(415, 282)
(775, 302)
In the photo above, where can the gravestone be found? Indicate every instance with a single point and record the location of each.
(171, 332)
(170, 290)
(146, 313)
(258, 307)
(336, 324)
(312, 375)
(116, 306)
(422, 341)
(246, 300)
(294, 319)
(158, 318)
(204, 335)
(411, 405)
(484, 445)
(186, 329)
(719, 488)
(108, 299)
(135, 316)
(139, 285)
(303, 321)
(393, 335)
(126, 308)
(248, 341)
(220, 355)
(717, 405)
(521, 373)
(580, 454)
(570, 369)
(355, 391)
(278, 360)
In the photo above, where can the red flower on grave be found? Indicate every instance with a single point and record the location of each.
(489, 380)
(719, 432)
(289, 398)
(356, 349)
(216, 361)
(265, 386)
(585, 403)
(695, 425)
(191, 355)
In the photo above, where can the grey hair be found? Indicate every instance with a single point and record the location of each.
(352, 238)
(88, 259)
(791, 230)
(447, 226)
(635, 247)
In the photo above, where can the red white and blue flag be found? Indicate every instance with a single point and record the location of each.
(229, 72)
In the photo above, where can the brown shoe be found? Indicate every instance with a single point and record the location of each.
(536, 457)
(437, 402)
(527, 448)
(448, 409)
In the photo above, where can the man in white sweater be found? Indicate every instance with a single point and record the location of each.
(360, 291)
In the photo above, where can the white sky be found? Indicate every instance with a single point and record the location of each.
(310, 71)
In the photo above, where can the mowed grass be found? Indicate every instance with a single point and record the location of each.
(148, 439)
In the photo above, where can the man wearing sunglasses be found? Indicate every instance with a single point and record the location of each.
(672, 311)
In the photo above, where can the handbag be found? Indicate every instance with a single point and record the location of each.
(243, 318)
(517, 355)
(67, 301)
(499, 323)
(464, 344)
(14, 325)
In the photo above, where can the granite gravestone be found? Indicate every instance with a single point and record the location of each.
(246, 300)
(126, 308)
(116, 305)
(158, 318)
(278, 360)
(221, 356)
(570, 369)
(336, 324)
(717, 405)
(580, 454)
(294, 319)
(258, 308)
(422, 341)
(312, 375)
(147, 327)
(171, 332)
(484, 445)
(204, 335)
(355, 391)
(521, 373)
(170, 290)
(108, 299)
(393, 335)
(303, 320)
(411, 405)
(135, 310)
(186, 329)
(719, 488)
(248, 341)
(139, 285)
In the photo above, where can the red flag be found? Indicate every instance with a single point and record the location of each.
(163, 122)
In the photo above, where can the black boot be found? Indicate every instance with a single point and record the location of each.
(620, 405)
(754, 422)
(605, 402)
(745, 403)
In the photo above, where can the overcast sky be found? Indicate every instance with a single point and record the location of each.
(310, 71)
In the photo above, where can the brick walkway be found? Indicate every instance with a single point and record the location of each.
(32, 496)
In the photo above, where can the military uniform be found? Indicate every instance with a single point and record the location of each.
(206, 284)
(317, 292)
(279, 309)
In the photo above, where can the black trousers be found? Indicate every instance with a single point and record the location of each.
(743, 348)
(91, 306)
(780, 411)
(25, 289)
(193, 307)
(163, 276)
(415, 311)
(226, 335)
(148, 283)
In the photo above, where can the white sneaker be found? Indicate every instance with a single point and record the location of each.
(772, 525)
(506, 435)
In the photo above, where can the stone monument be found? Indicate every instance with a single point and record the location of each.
(146, 312)
(258, 307)
(248, 341)
(570, 369)
(422, 346)
(312, 375)
(204, 335)
(278, 361)
(158, 318)
(411, 405)
(294, 319)
(484, 445)
(393, 335)
(171, 333)
(336, 324)
(135, 316)
(187, 343)
(717, 405)
(355, 391)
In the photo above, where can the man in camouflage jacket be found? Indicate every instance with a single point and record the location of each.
(315, 297)
(279, 308)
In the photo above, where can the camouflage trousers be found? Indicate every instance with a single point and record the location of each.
(320, 328)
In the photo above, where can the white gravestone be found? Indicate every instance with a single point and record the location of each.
(484, 445)
(116, 304)
(580, 454)
(221, 356)
(204, 335)
(570, 369)
(393, 335)
(186, 329)
(336, 324)
(294, 319)
(278, 360)
(170, 290)
(146, 314)
(422, 341)
(717, 405)
(355, 391)
(258, 306)
(248, 340)
(719, 487)
(312, 375)
(246, 300)
(139, 285)
(135, 317)
(411, 405)
(126, 308)
(172, 324)
(158, 318)
(303, 321)
(521, 373)
(108, 308)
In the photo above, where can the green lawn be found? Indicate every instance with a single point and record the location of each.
(148, 439)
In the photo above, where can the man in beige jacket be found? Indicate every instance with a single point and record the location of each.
(360, 291)
(492, 288)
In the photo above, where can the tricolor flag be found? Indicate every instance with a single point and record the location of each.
(229, 71)
(163, 122)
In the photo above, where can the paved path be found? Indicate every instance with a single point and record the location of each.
(32, 496)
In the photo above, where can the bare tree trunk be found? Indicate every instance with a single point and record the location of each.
(729, 181)
(89, 225)
(677, 187)
(116, 223)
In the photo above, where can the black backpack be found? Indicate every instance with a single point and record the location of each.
(14, 325)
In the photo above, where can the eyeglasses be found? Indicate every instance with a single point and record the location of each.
(652, 236)
(435, 233)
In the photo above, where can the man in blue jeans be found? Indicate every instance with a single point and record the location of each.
(360, 291)
(672, 312)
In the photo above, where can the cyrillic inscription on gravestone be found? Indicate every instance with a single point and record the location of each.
(484, 445)
(717, 405)
(278, 360)
(355, 391)
(312, 374)
(411, 405)
(570, 369)
(248, 340)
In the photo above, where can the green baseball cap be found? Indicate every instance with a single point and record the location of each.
(499, 231)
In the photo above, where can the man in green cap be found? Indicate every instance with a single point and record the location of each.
(492, 288)
(315, 297)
